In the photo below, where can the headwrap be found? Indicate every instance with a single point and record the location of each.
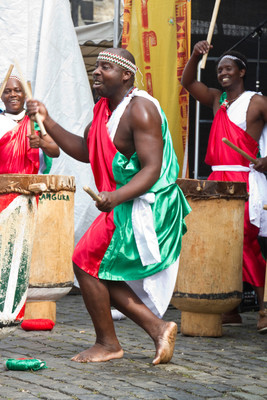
(116, 59)
(233, 58)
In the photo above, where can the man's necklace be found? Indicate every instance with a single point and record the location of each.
(126, 94)
(229, 102)
(129, 91)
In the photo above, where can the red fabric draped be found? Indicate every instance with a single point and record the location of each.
(101, 149)
(16, 155)
(91, 248)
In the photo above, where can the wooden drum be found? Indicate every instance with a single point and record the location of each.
(209, 280)
(51, 273)
(18, 212)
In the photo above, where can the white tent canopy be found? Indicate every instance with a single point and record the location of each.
(32, 32)
(95, 38)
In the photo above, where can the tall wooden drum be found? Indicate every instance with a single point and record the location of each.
(209, 280)
(18, 211)
(51, 273)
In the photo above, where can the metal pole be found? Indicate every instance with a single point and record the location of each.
(258, 62)
(116, 29)
(197, 127)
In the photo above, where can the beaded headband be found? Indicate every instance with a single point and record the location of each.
(14, 77)
(116, 59)
(233, 58)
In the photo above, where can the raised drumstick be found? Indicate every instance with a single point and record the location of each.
(92, 193)
(242, 152)
(210, 32)
(6, 79)
(29, 95)
(32, 122)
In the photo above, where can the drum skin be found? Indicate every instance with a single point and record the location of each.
(209, 280)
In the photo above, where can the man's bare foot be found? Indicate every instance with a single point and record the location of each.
(97, 353)
(165, 344)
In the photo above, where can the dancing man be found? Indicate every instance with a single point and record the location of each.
(137, 237)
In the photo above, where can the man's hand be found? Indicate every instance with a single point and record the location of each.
(201, 48)
(35, 141)
(35, 106)
(109, 200)
(261, 164)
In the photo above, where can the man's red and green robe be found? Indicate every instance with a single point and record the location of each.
(111, 249)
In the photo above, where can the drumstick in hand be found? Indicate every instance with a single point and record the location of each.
(29, 95)
(6, 79)
(240, 151)
(92, 193)
(32, 122)
(210, 32)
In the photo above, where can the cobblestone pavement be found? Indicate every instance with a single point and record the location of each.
(231, 367)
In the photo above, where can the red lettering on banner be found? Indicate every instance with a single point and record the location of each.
(144, 13)
(148, 39)
(181, 36)
(182, 57)
(149, 83)
(126, 24)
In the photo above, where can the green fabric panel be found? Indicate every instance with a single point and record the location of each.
(222, 98)
(47, 160)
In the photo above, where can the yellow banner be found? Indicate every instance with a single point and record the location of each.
(158, 34)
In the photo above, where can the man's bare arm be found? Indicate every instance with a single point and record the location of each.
(145, 123)
(74, 145)
(198, 90)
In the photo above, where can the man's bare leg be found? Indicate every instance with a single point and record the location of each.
(260, 296)
(97, 301)
(262, 320)
(163, 333)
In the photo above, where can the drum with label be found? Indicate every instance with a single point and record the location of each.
(51, 273)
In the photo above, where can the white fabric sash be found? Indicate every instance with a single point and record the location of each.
(257, 199)
(6, 125)
(236, 168)
(142, 217)
(257, 194)
(144, 231)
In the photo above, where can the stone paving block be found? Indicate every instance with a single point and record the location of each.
(255, 389)
(225, 397)
(247, 396)
(93, 397)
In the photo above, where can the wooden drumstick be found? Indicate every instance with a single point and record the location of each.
(242, 152)
(29, 95)
(210, 32)
(6, 79)
(32, 122)
(92, 193)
